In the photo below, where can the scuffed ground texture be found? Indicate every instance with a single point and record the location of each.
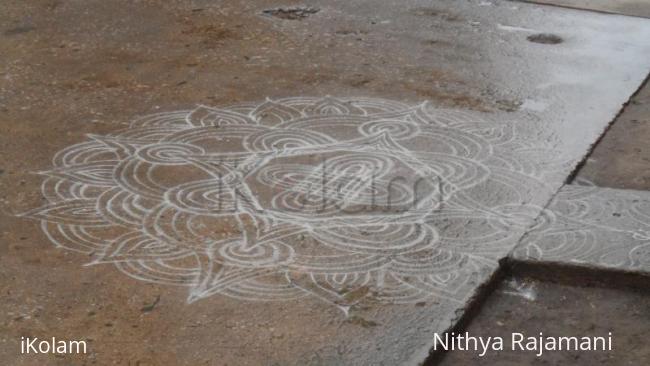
(80, 72)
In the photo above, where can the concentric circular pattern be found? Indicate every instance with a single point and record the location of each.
(345, 200)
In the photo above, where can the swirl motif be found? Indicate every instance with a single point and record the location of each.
(601, 227)
(348, 200)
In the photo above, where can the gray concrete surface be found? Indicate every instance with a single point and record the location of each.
(592, 227)
(506, 121)
(638, 8)
(528, 306)
(621, 159)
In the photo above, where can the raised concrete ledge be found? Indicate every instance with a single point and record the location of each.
(592, 227)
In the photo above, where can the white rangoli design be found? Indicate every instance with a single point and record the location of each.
(346, 200)
(594, 226)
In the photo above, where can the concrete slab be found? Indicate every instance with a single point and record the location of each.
(592, 227)
(622, 157)
(263, 282)
(528, 306)
(637, 8)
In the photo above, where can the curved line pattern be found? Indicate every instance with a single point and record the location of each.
(347, 200)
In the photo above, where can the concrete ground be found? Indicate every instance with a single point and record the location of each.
(522, 305)
(621, 159)
(119, 121)
(638, 8)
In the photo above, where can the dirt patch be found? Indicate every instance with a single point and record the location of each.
(508, 105)
(347, 32)
(359, 80)
(545, 38)
(432, 12)
(211, 35)
(296, 13)
(437, 42)
(453, 100)
(19, 30)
